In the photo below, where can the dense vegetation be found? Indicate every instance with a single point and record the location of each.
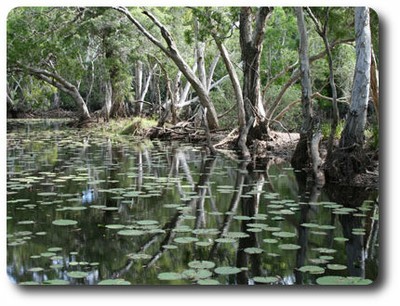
(218, 68)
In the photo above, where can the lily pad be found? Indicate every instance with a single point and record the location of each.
(131, 232)
(169, 276)
(225, 240)
(341, 280)
(236, 235)
(147, 222)
(56, 282)
(289, 246)
(64, 222)
(336, 267)
(208, 282)
(265, 279)
(77, 274)
(196, 274)
(284, 234)
(185, 240)
(226, 270)
(36, 269)
(139, 256)
(54, 249)
(253, 250)
(114, 282)
(312, 269)
(270, 240)
(340, 239)
(169, 247)
(201, 264)
(115, 226)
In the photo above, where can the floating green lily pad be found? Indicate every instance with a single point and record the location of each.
(115, 226)
(56, 282)
(139, 256)
(340, 239)
(336, 267)
(147, 222)
(64, 222)
(253, 250)
(77, 274)
(169, 276)
(113, 282)
(26, 222)
(270, 240)
(312, 269)
(226, 270)
(196, 274)
(225, 240)
(236, 235)
(201, 264)
(54, 249)
(48, 254)
(203, 243)
(169, 246)
(310, 225)
(29, 283)
(242, 218)
(131, 232)
(284, 234)
(36, 269)
(185, 240)
(289, 246)
(341, 280)
(208, 282)
(265, 279)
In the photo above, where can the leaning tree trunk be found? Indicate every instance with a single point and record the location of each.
(60, 83)
(251, 41)
(173, 53)
(243, 131)
(350, 159)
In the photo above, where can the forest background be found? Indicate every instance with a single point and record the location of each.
(387, 130)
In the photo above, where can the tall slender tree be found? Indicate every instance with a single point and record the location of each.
(350, 159)
(306, 152)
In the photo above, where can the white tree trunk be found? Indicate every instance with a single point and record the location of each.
(353, 133)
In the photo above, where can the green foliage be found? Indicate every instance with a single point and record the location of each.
(372, 136)
(326, 129)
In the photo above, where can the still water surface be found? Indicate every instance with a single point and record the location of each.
(86, 209)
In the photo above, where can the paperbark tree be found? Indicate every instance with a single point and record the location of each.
(251, 39)
(307, 149)
(349, 159)
(61, 84)
(173, 53)
(353, 133)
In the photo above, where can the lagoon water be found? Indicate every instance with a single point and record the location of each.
(85, 209)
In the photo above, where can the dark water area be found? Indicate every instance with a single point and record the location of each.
(85, 209)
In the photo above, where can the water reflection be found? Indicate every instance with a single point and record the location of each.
(176, 205)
